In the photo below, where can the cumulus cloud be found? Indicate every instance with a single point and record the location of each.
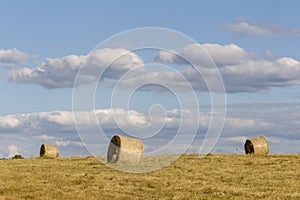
(253, 76)
(198, 54)
(245, 29)
(239, 70)
(61, 72)
(260, 75)
(12, 57)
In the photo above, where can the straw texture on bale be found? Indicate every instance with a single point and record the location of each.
(125, 150)
(258, 145)
(49, 151)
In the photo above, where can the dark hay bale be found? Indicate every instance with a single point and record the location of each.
(49, 151)
(125, 149)
(258, 145)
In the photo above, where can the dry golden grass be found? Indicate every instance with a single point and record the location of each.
(214, 177)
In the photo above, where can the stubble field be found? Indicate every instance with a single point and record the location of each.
(212, 177)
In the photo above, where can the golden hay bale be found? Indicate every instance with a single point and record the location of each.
(49, 151)
(258, 145)
(125, 149)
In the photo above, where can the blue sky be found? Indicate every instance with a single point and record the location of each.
(255, 44)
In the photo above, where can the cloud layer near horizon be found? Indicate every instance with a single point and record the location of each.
(24, 133)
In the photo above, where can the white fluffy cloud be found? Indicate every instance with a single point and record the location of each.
(259, 75)
(240, 72)
(61, 72)
(199, 54)
(251, 76)
(12, 57)
(247, 29)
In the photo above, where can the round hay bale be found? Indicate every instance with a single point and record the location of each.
(49, 151)
(258, 145)
(125, 149)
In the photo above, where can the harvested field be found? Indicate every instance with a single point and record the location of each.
(214, 177)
